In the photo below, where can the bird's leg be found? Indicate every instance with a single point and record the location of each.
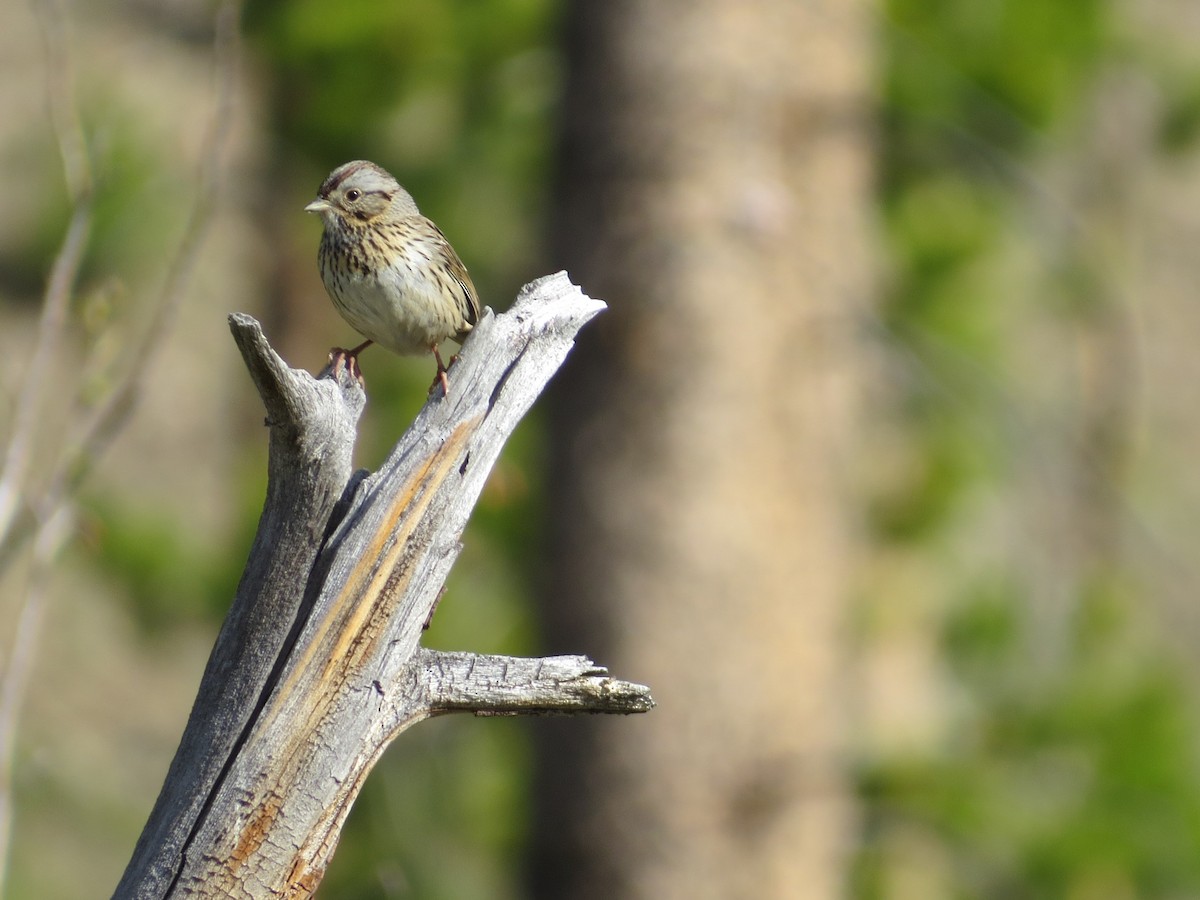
(340, 356)
(440, 377)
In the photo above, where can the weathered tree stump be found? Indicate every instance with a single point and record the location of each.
(319, 664)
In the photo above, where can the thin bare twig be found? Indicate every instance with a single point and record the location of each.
(72, 146)
(50, 538)
(64, 111)
(98, 428)
(14, 472)
(105, 421)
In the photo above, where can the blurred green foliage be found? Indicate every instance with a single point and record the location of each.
(136, 204)
(165, 576)
(1069, 765)
(993, 73)
(1181, 125)
(1053, 785)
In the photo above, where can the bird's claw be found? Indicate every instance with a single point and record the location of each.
(339, 357)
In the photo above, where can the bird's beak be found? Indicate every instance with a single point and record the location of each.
(318, 206)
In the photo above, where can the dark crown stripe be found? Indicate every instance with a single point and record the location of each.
(334, 181)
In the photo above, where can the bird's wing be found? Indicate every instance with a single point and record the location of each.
(458, 272)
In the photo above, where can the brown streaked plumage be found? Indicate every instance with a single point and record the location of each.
(390, 271)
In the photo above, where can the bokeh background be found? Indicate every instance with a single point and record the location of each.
(941, 427)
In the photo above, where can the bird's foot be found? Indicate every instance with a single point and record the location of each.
(340, 356)
(440, 377)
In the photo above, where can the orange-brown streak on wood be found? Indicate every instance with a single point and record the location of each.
(302, 880)
(371, 607)
(356, 619)
(254, 833)
(357, 589)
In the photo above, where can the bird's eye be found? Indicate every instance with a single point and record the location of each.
(353, 194)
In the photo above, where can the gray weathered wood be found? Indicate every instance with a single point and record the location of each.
(504, 685)
(319, 666)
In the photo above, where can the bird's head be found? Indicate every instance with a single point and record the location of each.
(359, 192)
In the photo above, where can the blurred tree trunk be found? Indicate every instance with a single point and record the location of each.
(716, 181)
